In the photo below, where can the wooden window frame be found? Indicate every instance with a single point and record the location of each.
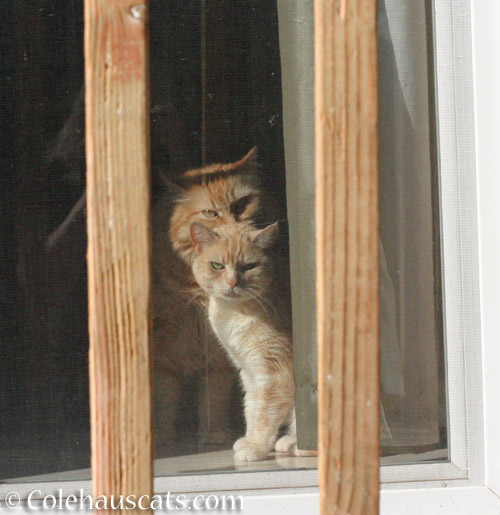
(347, 236)
(119, 248)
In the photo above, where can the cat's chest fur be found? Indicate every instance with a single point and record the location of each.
(234, 329)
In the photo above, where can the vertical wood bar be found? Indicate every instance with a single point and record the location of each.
(347, 255)
(119, 249)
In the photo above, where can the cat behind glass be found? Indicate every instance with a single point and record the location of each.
(234, 267)
(185, 346)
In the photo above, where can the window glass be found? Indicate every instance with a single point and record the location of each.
(217, 74)
(44, 400)
(231, 82)
(414, 417)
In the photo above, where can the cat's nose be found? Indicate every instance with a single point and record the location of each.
(232, 281)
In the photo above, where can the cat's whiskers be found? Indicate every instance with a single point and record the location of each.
(190, 291)
(253, 294)
(269, 222)
(195, 297)
(263, 298)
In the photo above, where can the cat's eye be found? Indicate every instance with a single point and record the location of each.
(249, 266)
(217, 266)
(239, 207)
(209, 213)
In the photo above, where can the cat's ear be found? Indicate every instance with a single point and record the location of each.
(266, 238)
(248, 163)
(172, 190)
(202, 235)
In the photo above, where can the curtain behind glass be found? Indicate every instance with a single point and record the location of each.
(406, 211)
(410, 341)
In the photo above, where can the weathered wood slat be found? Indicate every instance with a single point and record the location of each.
(347, 255)
(119, 249)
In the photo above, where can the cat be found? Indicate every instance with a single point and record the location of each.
(234, 267)
(184, 344)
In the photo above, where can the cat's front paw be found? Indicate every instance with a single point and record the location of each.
(288, 444)
(246, 450)
(240, 443)
(285, 443)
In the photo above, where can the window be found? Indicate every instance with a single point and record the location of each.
(462, 34)
(430, 311)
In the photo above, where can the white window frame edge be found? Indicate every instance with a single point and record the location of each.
(460, 258)
(467, 49)
(486, 52)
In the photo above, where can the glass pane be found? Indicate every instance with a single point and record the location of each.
(414, 421)
(216, 93)
(247, 82)
(44, 426)
(225, 77)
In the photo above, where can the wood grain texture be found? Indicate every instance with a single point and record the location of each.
(119, 248)
(347, 255)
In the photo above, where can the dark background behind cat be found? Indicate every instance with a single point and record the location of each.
(43, 311)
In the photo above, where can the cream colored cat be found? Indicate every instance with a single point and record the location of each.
(235, 269)
(185, 346)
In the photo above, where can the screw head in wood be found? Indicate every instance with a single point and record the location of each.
(138, 11)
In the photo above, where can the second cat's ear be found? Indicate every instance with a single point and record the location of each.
(248, 163)
(202, 235)
(172, 190)
(266, 238)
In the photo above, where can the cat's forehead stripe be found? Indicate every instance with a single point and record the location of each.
(224, 193)
(205, 179)
(236, 248)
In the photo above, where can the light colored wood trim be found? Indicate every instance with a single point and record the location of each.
(119, 248)
(347, 255)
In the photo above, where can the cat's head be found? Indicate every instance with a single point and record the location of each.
(235, 262)
(216, 195)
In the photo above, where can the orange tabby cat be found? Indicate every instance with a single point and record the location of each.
(184, 342)
(234, 268)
